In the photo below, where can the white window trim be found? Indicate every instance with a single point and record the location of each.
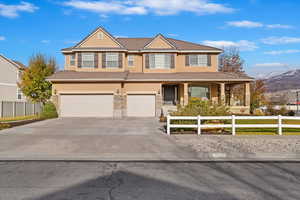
(198, 63)
(72, 60)
(200, 85)
(107, 61)
(82, 60)
(130, 58)
(155, 67)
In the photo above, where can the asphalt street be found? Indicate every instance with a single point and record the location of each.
(146, 180)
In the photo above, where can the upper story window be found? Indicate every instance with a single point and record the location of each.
(130, 60)
(88, 60)
(161, 61)
(72, 60)
(198, 60)
(112, 60)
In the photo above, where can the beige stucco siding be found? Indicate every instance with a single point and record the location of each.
(139, 64)
(86, 87)
(142, 87)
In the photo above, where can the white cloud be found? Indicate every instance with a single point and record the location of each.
(245, 24)
(106, 7)
(289, 51)
(279, 26)
(275, 64)
(252, 24)
(280, 40)
(12, 11)
(242, 45)
(142, 7)
(45, 41)
(2, 38)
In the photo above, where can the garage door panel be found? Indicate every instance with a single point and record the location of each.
(141, 105)
(86, 105)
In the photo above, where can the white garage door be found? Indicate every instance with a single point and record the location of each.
(140, 105)
(84, 105)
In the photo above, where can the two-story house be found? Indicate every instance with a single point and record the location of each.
(10, 73)
(106, 76)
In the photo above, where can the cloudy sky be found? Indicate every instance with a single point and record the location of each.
(267, 32)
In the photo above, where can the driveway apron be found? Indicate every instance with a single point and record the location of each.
(103, 139)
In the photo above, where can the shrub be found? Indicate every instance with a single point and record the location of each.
(197, 106)
(49, 111)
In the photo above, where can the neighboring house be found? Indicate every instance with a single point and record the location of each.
(106, 76)
(10, 72)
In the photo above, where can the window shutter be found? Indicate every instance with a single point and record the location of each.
(187, 60)
(120, 60)
(96, 59)
(79, 59)
(103, 60)
(147, 61)
(209, 60)
(172, 61)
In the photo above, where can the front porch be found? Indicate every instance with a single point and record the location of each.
(236, 95)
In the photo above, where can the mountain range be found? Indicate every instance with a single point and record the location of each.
(289, 80)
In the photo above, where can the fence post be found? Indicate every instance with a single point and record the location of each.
(199, 124)
(33, 108)
(24, 108)
(279, 124)
(233, 124)
(1, 109)
(14, 109)
(168, 124)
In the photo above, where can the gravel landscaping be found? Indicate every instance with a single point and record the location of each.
(241, 144)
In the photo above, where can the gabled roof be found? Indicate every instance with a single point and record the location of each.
(17, 64)
(159, 36)
(96, 30)
(139, 44)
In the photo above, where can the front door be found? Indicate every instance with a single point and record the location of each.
(170, 94)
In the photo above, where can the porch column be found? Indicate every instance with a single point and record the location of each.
(247, 94)
(222, 93)
(185, 94)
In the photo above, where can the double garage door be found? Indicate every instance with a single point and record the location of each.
(102, 105)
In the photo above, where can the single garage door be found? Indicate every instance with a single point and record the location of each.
(85, 105)
(140, 105)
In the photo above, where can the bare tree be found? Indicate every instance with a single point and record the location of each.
(231, 61)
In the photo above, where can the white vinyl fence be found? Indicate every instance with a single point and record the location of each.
(15, 108)
(233, 125)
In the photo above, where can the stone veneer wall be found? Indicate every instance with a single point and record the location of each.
(118, 106)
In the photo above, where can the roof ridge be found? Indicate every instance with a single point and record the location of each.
(195, 43)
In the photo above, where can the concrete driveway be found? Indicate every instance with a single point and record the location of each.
(91, 139)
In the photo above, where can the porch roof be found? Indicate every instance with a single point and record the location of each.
(74, 76)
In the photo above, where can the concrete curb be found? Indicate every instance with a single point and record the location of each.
(201, 157)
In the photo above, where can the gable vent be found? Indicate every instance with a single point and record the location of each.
(100, 36)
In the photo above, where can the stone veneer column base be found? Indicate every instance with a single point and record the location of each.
(158, 103)
(118, 104)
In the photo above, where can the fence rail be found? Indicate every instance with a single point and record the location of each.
(16, 108)
(199, 125)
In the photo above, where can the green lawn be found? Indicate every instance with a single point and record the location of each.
(267, 131)
(11, 119)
